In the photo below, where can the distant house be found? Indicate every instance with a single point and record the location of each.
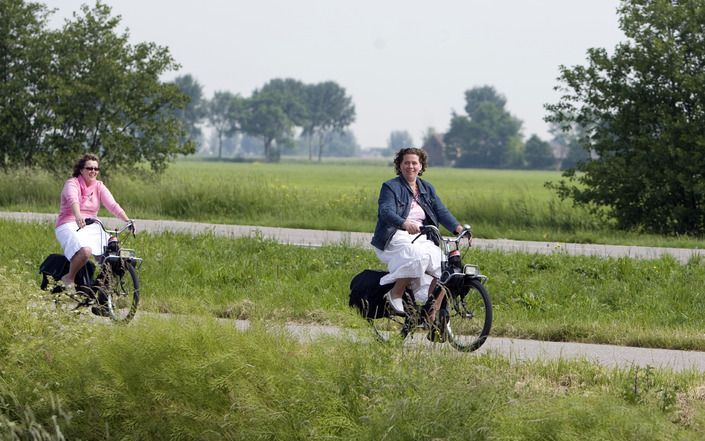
(374, 152)
(434, 148)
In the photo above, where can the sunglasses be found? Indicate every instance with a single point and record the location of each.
(92, 168)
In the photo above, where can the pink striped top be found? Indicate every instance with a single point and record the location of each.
(89, 200)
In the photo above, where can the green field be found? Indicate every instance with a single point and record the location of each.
(195, 377)
(339, 196)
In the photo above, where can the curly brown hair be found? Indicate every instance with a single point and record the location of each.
(78, 166)
(423, 158)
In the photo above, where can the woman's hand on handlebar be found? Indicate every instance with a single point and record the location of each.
(411, 227)
(83, 221)
(468, 233)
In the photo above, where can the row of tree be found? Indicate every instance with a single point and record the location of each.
(312, 119)
(488, 136)
(84, 87)
(273, 113)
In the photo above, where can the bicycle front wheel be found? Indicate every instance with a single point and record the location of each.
(122, 289)
(470, 317)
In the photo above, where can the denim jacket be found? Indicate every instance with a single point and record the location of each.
(395, 204)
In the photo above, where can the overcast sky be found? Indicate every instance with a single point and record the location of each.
(406, 63)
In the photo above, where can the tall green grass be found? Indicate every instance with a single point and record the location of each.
(653, 303)
(498, 203)
(197, 378)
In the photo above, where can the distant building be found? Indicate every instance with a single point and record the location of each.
(434, 148)
(374, 152)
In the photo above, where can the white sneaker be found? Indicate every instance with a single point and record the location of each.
(396, 304)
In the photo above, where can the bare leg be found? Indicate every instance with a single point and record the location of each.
(77, 261)
(394, 297)
(399, 287)
(438, 300)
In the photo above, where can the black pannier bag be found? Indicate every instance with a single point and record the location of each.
(56, 266)
(367, 295)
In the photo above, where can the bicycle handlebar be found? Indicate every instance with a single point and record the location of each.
(433, 230)
(129, 225)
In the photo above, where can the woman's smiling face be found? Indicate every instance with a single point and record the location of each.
(90, 171)
(410, 167)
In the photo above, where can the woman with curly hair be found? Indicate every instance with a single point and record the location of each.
(405, 204)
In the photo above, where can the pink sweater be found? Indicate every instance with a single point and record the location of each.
(89, 200)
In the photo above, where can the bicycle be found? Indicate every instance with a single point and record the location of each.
(464, 318)
(112, 292)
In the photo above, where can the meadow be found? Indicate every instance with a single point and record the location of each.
(64, 376)
(339, 196)
(195, 378)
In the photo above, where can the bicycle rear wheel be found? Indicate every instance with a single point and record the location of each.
(470, 317)
(122, 290)
(72, 299)
(391, 327)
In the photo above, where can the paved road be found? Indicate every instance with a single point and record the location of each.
(303, 237)
(514, 349)
(518, 350)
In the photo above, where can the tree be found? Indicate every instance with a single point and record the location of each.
(488, 136)
(537, 153)
(264, 117)
(86, 89)
(328, 110)
(196, 109)
(290, 95)
(225, 113)
(24, 92)
(642, 110)
(272, 112)
(399, 139)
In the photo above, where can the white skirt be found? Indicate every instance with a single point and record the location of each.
(420, 261)
(71, 240)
